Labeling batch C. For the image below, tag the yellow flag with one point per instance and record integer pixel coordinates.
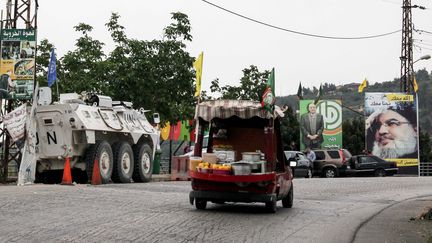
(165, 131)
(198, 68)
(362, 86)
(415, 86)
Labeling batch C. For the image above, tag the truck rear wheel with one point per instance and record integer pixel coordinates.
(143, 163)
(271, 206)
(123, 163)
(100, 151)
(288, 200)
(200, 203)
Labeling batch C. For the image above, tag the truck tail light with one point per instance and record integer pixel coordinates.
(342, 156)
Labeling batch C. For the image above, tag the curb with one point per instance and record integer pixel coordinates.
(161, 177)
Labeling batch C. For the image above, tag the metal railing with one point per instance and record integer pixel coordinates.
(425, 168)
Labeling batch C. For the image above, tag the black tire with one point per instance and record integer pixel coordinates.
(102, 152)
(123, 163)
(271, 206)
(200, 203)
(288, 200)
(143, 163)
(380, 173)
(329, 173)
(309, 173)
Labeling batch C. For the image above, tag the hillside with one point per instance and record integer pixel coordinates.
(352, 99)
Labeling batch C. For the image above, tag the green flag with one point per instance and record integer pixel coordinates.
(300, 92)
(318, 97)
(269, 98)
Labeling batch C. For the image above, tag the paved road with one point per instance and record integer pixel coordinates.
(325, 210)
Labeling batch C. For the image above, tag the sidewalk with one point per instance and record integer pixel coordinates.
(393, 224)
(161, 177)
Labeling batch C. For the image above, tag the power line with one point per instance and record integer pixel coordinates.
(423, 43)
(422, 47)
(423, 31)
(298, 32)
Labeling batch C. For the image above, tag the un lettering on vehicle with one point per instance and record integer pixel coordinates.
(48, 142)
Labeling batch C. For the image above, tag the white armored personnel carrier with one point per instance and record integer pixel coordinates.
(91, 127)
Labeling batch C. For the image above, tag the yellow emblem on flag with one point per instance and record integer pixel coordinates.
(198, 67)
(362, 86)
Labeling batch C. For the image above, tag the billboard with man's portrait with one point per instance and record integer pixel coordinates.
(391, 129)
(320, 124)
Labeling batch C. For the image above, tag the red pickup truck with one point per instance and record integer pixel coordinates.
(241, 129)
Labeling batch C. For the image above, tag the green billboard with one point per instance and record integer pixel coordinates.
(320, 124)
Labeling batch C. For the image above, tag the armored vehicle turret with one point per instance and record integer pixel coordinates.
(88, 128)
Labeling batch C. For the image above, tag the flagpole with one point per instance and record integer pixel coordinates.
(416, 100)
(58, 95)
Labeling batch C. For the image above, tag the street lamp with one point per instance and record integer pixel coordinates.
(425, 57)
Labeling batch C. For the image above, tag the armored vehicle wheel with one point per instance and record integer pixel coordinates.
(123, 162)
(288, 200)
(143, 163)
(102, 152)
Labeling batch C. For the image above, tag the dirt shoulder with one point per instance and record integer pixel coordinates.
(397, 223)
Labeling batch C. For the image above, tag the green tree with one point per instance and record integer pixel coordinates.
(290, 129)
(84, 69)
(353, 135)
(425, 146)
(157, 74)
(252, 85)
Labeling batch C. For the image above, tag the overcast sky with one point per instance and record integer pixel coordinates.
(231, 43)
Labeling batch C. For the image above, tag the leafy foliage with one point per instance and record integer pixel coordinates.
(354, 135)
(155, 74)
(84, 69)
(425, 146)
(290, 129)
(252, 85)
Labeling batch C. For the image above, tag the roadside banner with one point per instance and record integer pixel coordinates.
(392, 129)
(18, 49)
(27, 169)
(15, 122)
(326, 124)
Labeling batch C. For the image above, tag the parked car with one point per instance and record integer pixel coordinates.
(331, 163)
(303, 167)
(370, 164)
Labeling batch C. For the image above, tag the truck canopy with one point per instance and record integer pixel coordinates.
(223, 109)
(243, 125)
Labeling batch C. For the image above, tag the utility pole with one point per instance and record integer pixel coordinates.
(406, 78)
(19, 14)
